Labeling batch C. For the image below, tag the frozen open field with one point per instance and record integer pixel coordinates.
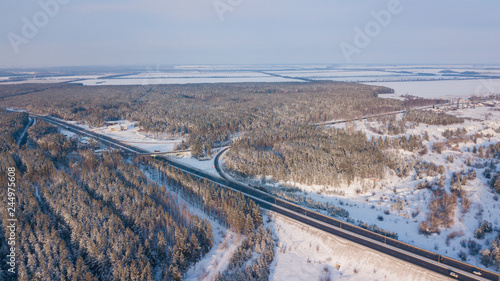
(191, 80)
(254, 73)
(442, 89)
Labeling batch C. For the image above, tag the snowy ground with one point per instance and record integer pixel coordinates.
(217, 259)
(441, 89)
(254, 73)
(305, 253)
(204, 165)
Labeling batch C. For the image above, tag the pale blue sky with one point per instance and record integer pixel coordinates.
(148, 32)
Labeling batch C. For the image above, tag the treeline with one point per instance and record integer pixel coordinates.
(252, 259)
(431, 118)
(11, 127)
(209, 113)
(311, 155)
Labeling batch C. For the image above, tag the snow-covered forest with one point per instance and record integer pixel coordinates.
(88, 216)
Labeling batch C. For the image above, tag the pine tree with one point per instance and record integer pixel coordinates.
(496, 186)
(174, 273)
(195, 248)
(249, 226)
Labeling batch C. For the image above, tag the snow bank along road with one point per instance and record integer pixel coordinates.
(403, 251)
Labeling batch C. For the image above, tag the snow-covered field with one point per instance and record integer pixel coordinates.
(442, 89)
(384, 78)
(305, 253)
(191, 80)
(197, 74)
(38, 81)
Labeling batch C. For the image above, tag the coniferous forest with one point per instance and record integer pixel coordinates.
(313, 155)
(87, 216)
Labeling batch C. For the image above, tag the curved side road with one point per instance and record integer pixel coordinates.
(395, 248)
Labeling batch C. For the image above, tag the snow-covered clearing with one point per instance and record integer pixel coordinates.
(305, 253)
(382, 74)
(204, 165)
(217, 259)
